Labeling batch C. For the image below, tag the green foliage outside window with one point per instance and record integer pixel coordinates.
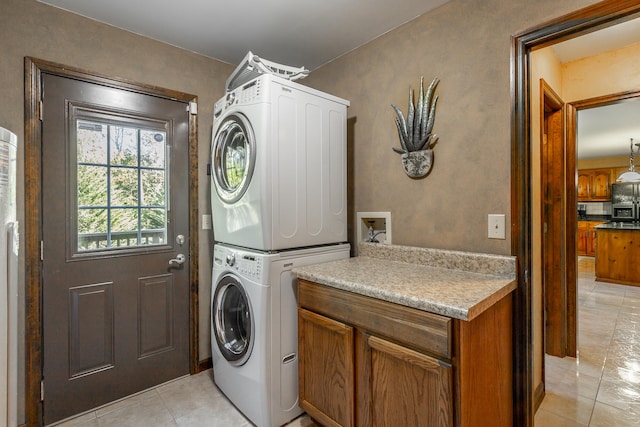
(121, 189)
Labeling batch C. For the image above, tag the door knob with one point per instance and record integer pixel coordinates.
(178, 260)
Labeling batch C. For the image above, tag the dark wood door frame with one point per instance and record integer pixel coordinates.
(583, 21)
(558, 236)
(34, 68)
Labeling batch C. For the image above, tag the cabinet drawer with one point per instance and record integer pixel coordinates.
(423, 331)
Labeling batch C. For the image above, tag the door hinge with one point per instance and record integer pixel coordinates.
(42, 391)
(545, 227)
(41, 250)
(40, 110)
(192, 108)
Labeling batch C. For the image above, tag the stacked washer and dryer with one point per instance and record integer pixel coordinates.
(278, 197)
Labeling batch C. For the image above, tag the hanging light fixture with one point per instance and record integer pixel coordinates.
(631, 175)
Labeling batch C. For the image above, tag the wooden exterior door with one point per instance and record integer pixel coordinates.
(115, 241)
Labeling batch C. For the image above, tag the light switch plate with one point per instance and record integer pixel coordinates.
(206, 222)
(496, 229)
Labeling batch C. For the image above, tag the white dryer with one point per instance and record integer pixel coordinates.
(278, 158)
(254, 328)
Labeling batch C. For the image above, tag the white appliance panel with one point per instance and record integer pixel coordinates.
(8, 280)
(297, 195)
(265, 388)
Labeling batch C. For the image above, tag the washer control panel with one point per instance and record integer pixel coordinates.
(245, 264)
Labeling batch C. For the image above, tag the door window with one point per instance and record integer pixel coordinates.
(233, 158)
(121, 185)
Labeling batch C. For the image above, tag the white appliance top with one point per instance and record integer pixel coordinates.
(253, 66)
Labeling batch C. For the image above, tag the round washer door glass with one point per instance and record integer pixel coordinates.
(233, 320)
(233, 157)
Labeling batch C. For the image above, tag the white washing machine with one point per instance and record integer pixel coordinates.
(254, 328)
(278, 160)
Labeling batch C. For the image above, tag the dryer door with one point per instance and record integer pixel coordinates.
(233, 157)
(232, 320)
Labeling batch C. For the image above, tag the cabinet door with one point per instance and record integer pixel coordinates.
(583, 237)
(326, 369)
(591, 245)
(601, 185)
(584, 180)
(408, 388)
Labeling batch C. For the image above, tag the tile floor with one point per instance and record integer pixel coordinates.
(192, 401)
(601, 387)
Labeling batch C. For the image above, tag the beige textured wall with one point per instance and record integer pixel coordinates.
(28, 28)
(611, 72)
(466, 43)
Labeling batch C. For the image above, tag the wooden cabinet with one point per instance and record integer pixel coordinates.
(595, 184)
(326, 389)
(617, 255)
(587, 237)
(368, 362)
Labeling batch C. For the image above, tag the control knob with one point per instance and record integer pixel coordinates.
(231, 260)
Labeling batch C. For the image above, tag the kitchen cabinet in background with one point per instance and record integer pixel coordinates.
(618, 251)
(595, 184)
(587, 237)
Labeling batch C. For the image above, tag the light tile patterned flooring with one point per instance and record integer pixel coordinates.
(192, 401)
(601, 387)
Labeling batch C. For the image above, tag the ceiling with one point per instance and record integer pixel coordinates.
(313, 33)
(291, 32)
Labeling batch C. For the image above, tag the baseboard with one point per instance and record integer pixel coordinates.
(538, 396)
(205, 364)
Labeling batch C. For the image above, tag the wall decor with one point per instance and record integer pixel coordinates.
(415, 132)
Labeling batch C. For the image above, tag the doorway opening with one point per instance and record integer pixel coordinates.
(584, 21)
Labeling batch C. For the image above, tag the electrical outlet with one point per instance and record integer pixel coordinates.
(496, 226)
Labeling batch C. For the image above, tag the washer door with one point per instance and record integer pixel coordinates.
(233, 157)
(232, 320)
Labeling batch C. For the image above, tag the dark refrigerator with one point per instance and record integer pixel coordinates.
(625, 201)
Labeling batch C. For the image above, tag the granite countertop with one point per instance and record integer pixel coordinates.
(455, 284)
(619, 226)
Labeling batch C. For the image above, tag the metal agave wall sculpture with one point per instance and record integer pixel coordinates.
(415, 132)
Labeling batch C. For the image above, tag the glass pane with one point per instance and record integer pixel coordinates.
(152, 148)
(235, 160)
(92, 221)
(124, 145)
(92, 185)
(124, 220)
(92, 229)
(124, 187)
(153, 188)
(124, 227)
(92, 142)
(152, 226)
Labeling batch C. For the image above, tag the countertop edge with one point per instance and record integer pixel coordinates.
(492, 288)
(485, 304)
